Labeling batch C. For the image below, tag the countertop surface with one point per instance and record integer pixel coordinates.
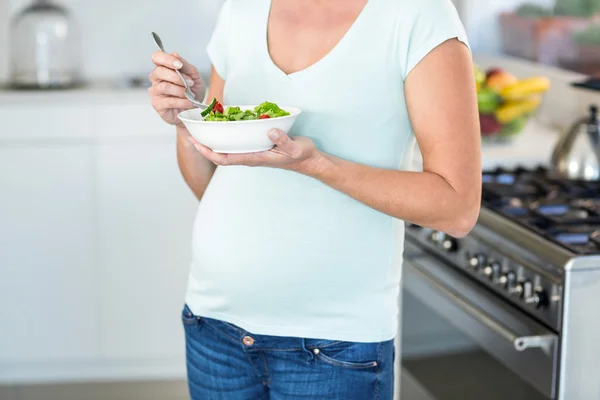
(90, 94)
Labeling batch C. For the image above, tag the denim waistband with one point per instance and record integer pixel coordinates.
(263, 342)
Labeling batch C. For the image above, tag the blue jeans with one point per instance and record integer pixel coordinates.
(225, 362)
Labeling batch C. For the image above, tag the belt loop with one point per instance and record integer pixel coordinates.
(311, 357)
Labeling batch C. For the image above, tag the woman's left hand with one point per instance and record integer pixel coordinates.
(298, 154)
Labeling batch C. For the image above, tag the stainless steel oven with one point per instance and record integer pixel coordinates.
(460, 341)
(512, 310)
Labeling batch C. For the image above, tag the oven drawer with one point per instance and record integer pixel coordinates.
(523, 345)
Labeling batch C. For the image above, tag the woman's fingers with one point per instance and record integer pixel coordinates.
(164, 88)
(167, 103)
(174, 61)
(285, 144)
(187, 68)
(160, 74)
(162, 59)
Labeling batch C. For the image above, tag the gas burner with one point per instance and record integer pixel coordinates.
(579, 239)
(564, 211)
(588, 204)
(595, 237)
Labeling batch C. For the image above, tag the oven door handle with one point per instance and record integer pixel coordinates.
(520, 343)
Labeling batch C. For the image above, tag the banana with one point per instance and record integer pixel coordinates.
(525, 88)
(511, 111)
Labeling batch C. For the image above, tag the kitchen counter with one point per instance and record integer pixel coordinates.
(531, 148)
(102, 92)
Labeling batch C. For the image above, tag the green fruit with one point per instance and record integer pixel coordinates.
(514, 127)
(488, 101)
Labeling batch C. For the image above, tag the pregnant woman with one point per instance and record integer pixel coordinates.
(297, 251)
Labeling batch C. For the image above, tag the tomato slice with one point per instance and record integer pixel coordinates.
(264, 116)
(218, 107)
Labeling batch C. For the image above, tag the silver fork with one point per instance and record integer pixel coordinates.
(188, 91)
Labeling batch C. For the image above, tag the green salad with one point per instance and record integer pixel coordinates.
(216, 112)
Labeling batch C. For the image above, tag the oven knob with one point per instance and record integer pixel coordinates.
(488, 272)
(437, 237)
(492, 271)
(508, 280)
(516, 290)
(477, 261)
(527, 290)
(450, 245)
(503, 280)
(512, 279)
(539, 298)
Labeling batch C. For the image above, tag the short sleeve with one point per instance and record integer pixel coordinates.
(219, 41)
(436, 21)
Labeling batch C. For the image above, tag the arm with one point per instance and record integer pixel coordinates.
(197, 171)
(447, 194)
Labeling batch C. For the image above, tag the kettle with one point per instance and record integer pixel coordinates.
(45, 48)
(577, 153)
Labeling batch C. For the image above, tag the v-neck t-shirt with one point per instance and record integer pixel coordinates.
(279, 253)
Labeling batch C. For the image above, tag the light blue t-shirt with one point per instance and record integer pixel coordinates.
(279, 253)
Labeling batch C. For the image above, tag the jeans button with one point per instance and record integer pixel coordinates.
(248, 341)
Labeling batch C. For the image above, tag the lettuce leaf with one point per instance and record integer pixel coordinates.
(270, 109)
(237, 114)
(216, 116)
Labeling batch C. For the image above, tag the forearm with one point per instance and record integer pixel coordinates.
(197, 171)
(423, 198)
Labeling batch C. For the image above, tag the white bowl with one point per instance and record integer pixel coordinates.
(236, 136)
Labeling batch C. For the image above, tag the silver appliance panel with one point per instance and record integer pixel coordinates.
(526, 347)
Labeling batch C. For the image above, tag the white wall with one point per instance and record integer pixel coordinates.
(116, 33)
(3, 38)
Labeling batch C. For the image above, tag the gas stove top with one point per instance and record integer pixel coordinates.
(534, 227)
(563, 211)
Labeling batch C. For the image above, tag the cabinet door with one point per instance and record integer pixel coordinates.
(47, 275)
(145, 216)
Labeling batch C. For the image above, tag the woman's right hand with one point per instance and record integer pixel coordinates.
(167, 91)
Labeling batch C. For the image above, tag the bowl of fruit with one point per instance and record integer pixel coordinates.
(506, 103)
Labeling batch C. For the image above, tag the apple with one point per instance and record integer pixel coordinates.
(489, 125)
(499, 80)
(487, 101)
(493, 71)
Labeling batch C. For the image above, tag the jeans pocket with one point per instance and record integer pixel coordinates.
(188, 318)
(348, 354)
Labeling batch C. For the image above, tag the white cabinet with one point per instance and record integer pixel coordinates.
(48, 279)
(54, 124)
(145, 216)
(95, 242)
